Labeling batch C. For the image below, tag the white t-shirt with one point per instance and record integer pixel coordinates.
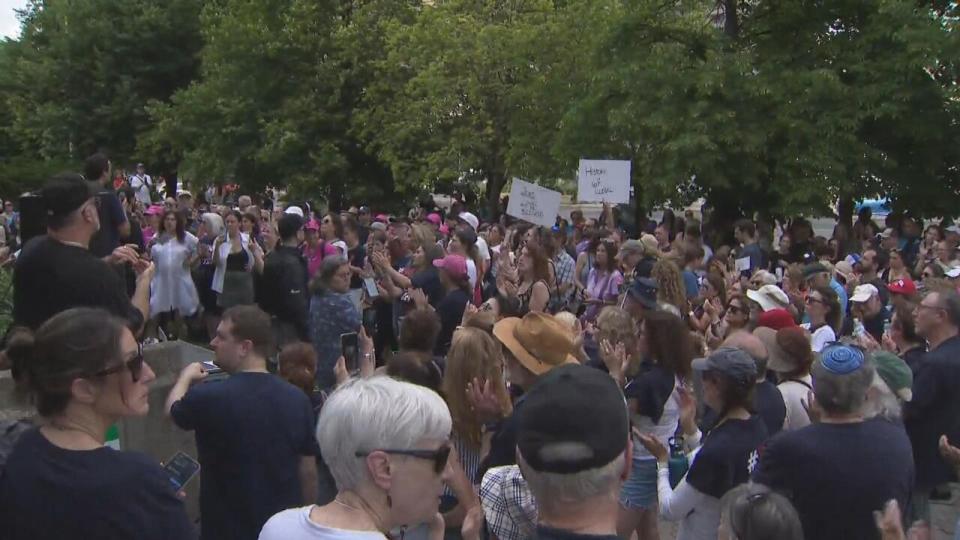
(295, 524)
(794, 395)
(472, 273)
(483, 249)
(820, 338)
(141, 186)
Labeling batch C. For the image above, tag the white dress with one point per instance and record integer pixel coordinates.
(172, 286)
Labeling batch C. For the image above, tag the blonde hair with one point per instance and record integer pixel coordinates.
(422, 236)
(474, 354)
(668, 277)
(615, 325)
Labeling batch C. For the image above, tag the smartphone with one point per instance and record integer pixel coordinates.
(350, 349)
(181, 468)
(211, 368)
(371, 286)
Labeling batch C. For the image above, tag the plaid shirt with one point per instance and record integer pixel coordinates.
(508, 505)
(564, 266)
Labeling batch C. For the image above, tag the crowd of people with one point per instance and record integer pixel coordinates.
(509, 381)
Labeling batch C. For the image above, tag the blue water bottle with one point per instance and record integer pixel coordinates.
(678, 464)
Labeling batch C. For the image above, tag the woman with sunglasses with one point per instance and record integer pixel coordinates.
(735, 317)
(386, 443)
(823, 309)
(85, 371)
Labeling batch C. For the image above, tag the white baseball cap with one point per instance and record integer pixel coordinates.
(863, 293)
(296, 210)
(470, 219)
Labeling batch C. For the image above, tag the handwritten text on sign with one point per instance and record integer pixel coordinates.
(533, 203)
(601, 180)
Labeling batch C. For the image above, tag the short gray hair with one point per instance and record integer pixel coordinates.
(214, 223)
(375, 413)
(882, 401)
(556, 488)
(328, 268)
(842, 394)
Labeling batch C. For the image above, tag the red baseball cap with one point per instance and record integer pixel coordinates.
(455, 265)
(776, 318)
(903, 286)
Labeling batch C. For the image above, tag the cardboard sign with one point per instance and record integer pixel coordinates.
(602, 180)
(533, 203)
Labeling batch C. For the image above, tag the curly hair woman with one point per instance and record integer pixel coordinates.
(671, 291)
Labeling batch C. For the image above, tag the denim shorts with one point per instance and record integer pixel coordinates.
(640, 490)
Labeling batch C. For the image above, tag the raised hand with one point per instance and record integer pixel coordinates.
(483, 400)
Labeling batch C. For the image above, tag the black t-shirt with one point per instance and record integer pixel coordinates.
(47, 492)
(51, 277)
(837, 475)
(769, 406)
(728, 453)
(111, 216)
(251, 429)
(450, 311)
(429, 280)
(503, 444)
(650, 389)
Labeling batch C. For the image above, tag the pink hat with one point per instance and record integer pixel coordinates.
(312, 225)
(383, 218)
(444, 230)
(154, 210)
(434, 218)
(455, 265)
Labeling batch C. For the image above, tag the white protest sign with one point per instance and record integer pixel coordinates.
(533, 203)
(742, 264)
(601, 180)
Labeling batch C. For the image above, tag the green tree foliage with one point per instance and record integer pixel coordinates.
(79, 77)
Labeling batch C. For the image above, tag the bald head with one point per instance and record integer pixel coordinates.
(750, 344)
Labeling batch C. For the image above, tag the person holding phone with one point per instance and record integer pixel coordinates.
(254, 431)
(332, 313)
(62, 481)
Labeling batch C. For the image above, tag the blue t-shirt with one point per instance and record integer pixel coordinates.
(48, 492)
(251, 429)
(691, 284)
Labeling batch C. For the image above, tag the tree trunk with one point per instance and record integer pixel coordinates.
(495, 183)
(731, 20)
(845, 211)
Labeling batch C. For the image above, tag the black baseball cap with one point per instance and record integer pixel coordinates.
(65, 193)
(733, 363)
(644, 291)
(814, 269)
(573, 419)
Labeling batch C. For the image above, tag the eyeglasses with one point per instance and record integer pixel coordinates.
(736, 309)
(438, 456)
(134, 364)
(811, 300)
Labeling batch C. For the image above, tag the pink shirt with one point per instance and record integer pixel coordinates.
(316, 255)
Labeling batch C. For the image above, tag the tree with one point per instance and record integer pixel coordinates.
(78, 81)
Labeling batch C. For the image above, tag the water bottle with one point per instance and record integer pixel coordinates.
(858, 329)
(678, 464)
(112, 438)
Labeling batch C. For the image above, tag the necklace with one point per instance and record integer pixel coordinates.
(345, 505)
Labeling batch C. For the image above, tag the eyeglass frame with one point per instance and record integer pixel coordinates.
(440, 456)
(134, 364)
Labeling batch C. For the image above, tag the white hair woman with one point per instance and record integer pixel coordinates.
(387, 443)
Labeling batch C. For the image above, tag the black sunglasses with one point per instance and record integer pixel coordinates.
(438, 456)
(134, 364)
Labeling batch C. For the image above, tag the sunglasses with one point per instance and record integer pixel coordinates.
(438, 456)
(134, 364)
